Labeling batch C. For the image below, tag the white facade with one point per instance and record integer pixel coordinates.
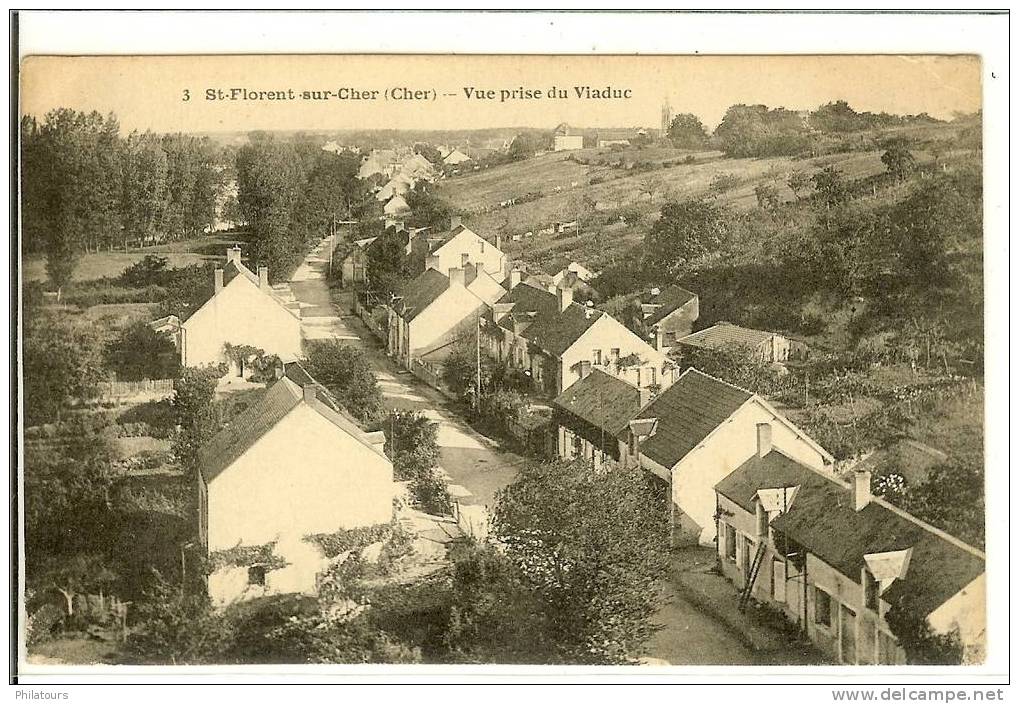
(608, 340)
(437, 324)
(334, 482)
(241, 313)
(693, 477)
(565, 142)
(477, 250)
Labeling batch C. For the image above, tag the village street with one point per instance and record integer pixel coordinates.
(692, 632)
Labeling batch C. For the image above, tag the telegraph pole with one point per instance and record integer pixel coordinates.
(477, 354)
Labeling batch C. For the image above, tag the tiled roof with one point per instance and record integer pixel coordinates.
(670, 299)
(420, 293)
(823, 520)
(247, 428)
(724, 335)
(687, 412)
(234, 268)
(602, 400)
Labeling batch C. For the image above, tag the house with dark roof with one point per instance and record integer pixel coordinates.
(669, 314)
(261, 498)
(835, 560)
(592, 415)
(697, 432)
(762, 345)
(435, 309)
(243, 311)
(558, 342)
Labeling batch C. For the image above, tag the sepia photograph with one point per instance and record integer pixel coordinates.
(659, 361)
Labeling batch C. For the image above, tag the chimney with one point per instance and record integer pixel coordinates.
(432, 262)
(763, 439)
(309, 393)
(565, 296)
(263, 278)
(646, 394)
(218, 279)
(585, 369)
(456, 277)
(861, 489)
(465, 259)
(454, 222)
(514, 278)
(233, 254)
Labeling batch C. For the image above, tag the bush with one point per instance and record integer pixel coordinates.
(88, 294)
(346, 372)
(150, 270)
(139, 352)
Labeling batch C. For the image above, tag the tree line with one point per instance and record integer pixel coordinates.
(86, 188)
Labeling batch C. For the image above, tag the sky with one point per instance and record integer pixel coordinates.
(430, 92)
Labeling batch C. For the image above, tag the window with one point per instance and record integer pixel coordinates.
(596, 356)
(822, 608)
(730, 543)
(870, 590)
(256, 575)
(614, 354)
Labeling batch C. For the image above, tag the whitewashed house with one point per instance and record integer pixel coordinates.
(260, 500)
(243, 310)
(697, 432)
(460, 246)
(835, 560)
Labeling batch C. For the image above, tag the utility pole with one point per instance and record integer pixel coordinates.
(477, 354)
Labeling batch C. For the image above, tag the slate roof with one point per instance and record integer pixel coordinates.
(671, 299)
(246, 429)
(552, 331)
(725, 335)
(420, 293)
(687, 412)
(602, 400)
(234, 268)
(822, 519)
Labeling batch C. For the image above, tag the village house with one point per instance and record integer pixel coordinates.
(260, 501)
(834, 560)
(578, 270)
(243, 311)
(592, 415)
(168, 325)
(697, 432)
(396, 209)
(562, 140)
(455, 157)
(433, 310)
(384, 162)
(556, 341)
(669, 315)
(763, 346)
(399, 185)
(354, 267)
(456, 248)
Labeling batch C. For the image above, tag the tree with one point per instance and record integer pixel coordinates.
(178, 627)
(139, 352)
(687, 132)
(386, 272)
(187, 288)
(923, 646)
(145, 197)
(736, 364)
(836, 117)
(428, 152)
(427, 208)
(899, 161)
(411, 443)
(651, 185)
(831, 187)
(798, 182)
(526, 144)
(195, 413)
(951, 497)
(685, 232)
(346, 372)
(78, 574)
(756, 130)
(63, 361)
(592, 547)
(767, 196)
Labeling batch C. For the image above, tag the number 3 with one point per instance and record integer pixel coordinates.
(187, 95)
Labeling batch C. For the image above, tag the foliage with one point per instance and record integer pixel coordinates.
(767, 196)
(411, 444)
(591, 546)
(178, 628)
(898, 159)
(428, 152)
(386, 265)
(246, 556)
(150, 269)
(830, 186)
(186, 289)
(264, 365)
(526, 144)
(923, 646)
(687, 132)
(724, 182)
(195, 412)
(430, 492)
(319, 638)
(952, 498)
(333, 544)
(139, 352)
(63, 361)
(736, 364)
(685, 232)
(756, 130)
(82, 573)
(798, 182)
(347, 373)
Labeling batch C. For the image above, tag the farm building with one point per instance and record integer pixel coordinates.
(593, 414)
(834, 560)
(455, 157)
(259, 501)
(763, 345)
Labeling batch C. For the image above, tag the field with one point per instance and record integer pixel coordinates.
(591, 185)
(97, 265)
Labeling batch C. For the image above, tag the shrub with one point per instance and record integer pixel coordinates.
(139, 352)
